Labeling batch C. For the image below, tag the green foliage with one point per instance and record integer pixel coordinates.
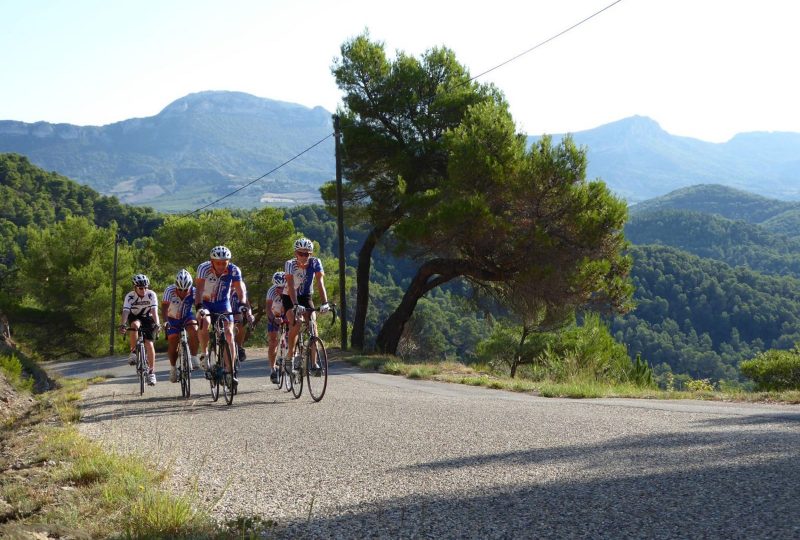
(65, 272)
(736, 243)
(774, 370)
(702, 317)
(11, 367)
(641, 374)
(699, 385)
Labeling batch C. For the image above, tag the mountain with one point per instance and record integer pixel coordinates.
(639, 160)
(208, 144)
(197, 149)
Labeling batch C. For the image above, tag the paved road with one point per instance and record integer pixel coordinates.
(386, 457)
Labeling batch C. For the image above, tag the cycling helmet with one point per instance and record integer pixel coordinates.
(183, 280)
(220, 252)
(279, 279)
(303, 244)
(140, 280)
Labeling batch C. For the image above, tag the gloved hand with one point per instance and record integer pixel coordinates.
(123, 328)
(202, 312)
(250, 318)
(243, 309)
(324, 308)
(299, 310)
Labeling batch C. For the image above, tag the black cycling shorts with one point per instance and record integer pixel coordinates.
(148, 325)
(302, 299)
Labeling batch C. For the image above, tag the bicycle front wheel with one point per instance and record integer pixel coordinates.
(141, 366)
(185, 375)
(316, 368)
(228, 386)
(211, 364)
(297, 378)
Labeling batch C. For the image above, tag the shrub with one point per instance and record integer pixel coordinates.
(774, 370)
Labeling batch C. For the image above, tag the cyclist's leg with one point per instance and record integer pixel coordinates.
(191, 331)
(173, 338)
(231, 343)
(133, 324)
(272, 351)
(202, 334)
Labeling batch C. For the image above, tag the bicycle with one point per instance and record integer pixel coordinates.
(184, 365)
(215, 362)
(310, 348)
(282, 366)
(141, 357)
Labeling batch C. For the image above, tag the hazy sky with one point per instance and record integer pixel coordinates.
(702, 68)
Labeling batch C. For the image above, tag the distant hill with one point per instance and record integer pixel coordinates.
(716, 199)
(208, 144)
(197, 149)
(639, 160)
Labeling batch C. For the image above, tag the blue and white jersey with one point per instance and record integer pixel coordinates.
(274, 294)
(303, 277)
(216, 293)
(179, 308)
(234, 301)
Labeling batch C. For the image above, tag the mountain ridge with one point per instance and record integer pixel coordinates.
(205, 145)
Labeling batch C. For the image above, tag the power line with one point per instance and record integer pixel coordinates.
(328, 136)
(548, 40)
(498, 66)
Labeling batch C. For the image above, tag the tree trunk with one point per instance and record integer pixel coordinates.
(518, 357)
(362, 285)
(392, 329)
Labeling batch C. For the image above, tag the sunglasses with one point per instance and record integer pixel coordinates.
(140, 288)
(302, 253)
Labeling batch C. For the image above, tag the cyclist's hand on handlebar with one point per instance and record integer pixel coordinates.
(123, 328)
(243, 309)
(299, 310)
(202, 312)
(251, 319)
(324, 308)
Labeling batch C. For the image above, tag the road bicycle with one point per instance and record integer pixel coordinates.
(184, 364)
(216, 373)
(311, 359)
(282, 365)
(141, 357)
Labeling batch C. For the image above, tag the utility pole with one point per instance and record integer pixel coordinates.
(340, 231)
(113, 296)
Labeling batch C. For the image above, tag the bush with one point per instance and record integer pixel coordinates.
(774, 370)
(15, 374)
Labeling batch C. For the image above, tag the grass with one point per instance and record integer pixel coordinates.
(60, 484)
(482, 375)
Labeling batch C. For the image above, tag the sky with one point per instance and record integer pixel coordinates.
(706, 69)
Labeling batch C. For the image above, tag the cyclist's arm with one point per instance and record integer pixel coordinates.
(289, 289)
(126, 310)
(154, 309)
(320, 277)
(241, 290)
(164, 306)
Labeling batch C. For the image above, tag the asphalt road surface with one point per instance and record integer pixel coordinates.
(385, 457)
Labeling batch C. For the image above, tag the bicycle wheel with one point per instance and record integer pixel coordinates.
(316, 375)
(286, 376)
(279, 370)
(227, 379)
(211, 363)
(141, 366)
(185, 372)
(297, 378)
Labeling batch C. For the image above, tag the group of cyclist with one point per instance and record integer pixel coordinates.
(218, 291)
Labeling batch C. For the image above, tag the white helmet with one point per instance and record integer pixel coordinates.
(221, 252)
(279, 279)
(303, 244)
(183, 280)
(140, 280)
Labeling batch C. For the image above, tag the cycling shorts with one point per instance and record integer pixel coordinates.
(148, 325)
(175, 325)
(272, 324)
(302, 299)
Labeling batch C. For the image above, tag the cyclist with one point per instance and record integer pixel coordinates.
(239, 317)
(176, 309)
(216, 279)
(274, 311)
(139, 311)
(301, 272)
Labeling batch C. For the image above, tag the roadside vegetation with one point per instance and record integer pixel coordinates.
(57, 483)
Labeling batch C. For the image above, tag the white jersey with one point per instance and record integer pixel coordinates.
(140, 305)
(277, 301)
(303, 277)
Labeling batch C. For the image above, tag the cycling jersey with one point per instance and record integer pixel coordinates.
(303, 277)
(139, 306)
(179, 308)
(216, 293)
(274, 294)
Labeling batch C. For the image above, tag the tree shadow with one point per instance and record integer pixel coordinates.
(705, 484)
